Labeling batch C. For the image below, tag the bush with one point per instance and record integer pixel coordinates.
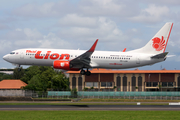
(74, 93)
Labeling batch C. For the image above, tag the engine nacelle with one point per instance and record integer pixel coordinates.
(65, 65)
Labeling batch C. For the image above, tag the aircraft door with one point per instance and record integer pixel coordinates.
(137, 60)
(22, 55)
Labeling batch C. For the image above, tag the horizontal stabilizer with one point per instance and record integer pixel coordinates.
(161, 55)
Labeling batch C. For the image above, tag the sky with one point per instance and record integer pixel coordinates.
(76, 24)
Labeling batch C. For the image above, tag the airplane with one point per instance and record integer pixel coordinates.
(75, 60)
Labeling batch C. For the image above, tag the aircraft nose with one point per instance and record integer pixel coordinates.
(6, 57)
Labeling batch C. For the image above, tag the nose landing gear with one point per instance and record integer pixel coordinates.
(19, 67)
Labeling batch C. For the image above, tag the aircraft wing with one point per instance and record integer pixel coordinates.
(161, 55)
(84, 59)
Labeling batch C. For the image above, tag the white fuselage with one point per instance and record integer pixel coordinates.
(99, 59)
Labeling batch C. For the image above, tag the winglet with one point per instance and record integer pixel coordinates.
(124, 50)
(93, 47)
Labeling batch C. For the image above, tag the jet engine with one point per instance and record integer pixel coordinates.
(65, 65)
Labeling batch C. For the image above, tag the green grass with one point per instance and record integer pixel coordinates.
(108, 100)
(125, 100)
(95, 102)
(76, 103)
(89, 115)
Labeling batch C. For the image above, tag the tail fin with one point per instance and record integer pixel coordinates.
(158, 43)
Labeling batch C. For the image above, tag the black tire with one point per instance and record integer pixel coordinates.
(88, 73)
(82, 72)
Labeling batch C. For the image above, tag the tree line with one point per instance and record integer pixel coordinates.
(40, 78)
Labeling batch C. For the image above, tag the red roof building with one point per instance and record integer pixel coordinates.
(12, 84)
(126, 80)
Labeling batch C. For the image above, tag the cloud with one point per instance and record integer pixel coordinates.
(25, 43)
(46, 9)
(5, 45)
(104, 29)
(77, 24)
(32, 34)
(77, 20)
(35, 10)
(152, 14)
(23, 34)
(22, 38)
(2, 26)
(105, 7)
(161, 2)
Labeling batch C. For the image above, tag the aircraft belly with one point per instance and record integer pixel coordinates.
(122, 64)
(115, 64)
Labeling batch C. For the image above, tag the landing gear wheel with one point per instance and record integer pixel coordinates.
(88, 73)
(82, 72)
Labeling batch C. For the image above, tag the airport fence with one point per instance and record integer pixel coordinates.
(115, 95)
(94, 94)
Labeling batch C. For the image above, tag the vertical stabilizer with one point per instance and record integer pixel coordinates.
(159, 42)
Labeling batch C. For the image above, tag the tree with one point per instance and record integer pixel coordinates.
(85, 88)
(92, 88)
(17, 74)
(29, 73)
(160, 87)
(74, 93)
(60, 82)
(44, 78)
(4, 76)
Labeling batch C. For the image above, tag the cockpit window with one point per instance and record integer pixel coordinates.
(12, 53)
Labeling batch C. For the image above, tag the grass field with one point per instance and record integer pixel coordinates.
(89, 115)
(76, 103)
(125, 100)
(94, 102)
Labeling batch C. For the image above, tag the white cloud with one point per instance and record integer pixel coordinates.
(32, 34)
(114, 8)
(5, 45)
(76, 20)
(105, 29)
(171, 43)
(18, 29)
(105, 7)
(43, 9)
(162, 2)
(35, 10)
(22, 38)
(53, 41)
(25, 43)
(136, 42)
(152, 14)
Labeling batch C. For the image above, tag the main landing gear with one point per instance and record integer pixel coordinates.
(83, 72)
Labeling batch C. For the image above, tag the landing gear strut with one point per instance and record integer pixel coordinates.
(83, 72)
(19, 67)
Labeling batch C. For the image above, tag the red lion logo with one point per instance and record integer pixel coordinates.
(158, 43)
